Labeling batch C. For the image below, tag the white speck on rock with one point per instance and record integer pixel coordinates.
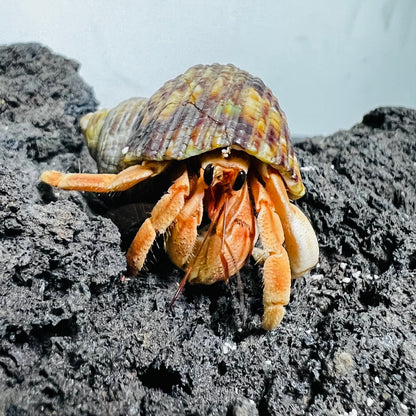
(352, 413)
(307, 168)
(344, 362)
(317, 276)
(228, 346)
(125, 150)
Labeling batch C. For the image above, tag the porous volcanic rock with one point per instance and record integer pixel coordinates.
(79, 339)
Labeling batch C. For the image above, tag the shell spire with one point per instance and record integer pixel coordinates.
(107, 133)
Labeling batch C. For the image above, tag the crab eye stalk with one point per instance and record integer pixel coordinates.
(209, 174)
(239, 180)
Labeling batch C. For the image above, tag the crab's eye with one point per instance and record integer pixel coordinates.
(239, 180)
(209, 174)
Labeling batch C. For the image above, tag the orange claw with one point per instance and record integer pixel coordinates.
(229, 244)
(184, 232)
(276, 269)
(300, 239)
(221, 251)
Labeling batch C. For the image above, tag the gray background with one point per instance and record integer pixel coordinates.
(328, 62)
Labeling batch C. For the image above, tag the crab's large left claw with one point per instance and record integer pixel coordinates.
(300, 239)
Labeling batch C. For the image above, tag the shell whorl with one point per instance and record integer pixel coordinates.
(107, 133)
(91, 125)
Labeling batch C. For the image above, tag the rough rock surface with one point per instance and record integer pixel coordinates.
(77, 339)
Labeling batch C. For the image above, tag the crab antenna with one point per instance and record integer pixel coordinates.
(198, 252)
(222, 255)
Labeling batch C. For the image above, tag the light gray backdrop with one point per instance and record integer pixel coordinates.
(328, 61)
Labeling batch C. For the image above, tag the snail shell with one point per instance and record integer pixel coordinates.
(207, 107)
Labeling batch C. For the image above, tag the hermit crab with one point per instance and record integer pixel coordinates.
(235, 172)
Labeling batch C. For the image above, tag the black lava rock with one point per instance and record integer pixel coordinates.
(77, 338)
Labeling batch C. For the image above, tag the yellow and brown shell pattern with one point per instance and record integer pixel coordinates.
(206, 108)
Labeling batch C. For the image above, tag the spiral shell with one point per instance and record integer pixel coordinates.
(108, 131)
(208, 107)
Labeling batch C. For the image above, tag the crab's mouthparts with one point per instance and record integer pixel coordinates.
(218, 193)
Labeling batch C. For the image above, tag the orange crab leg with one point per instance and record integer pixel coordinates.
(184, 232)
(162, 216)
(103, 182)
(276, 269)
(300, 238)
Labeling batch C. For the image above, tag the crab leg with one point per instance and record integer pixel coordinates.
(276, 269)
(184, 233)
(300, 238)
(103, 182)
(162, 216)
